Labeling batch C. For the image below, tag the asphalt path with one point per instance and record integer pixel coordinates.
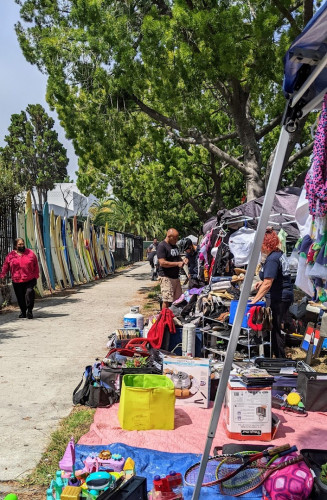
(42, 361)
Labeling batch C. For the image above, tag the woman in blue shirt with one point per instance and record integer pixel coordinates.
(276, 284)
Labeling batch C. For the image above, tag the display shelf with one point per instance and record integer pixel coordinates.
(243, 339)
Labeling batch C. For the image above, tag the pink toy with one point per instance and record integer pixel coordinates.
(67, 463)
(295, 482)
(94, 463)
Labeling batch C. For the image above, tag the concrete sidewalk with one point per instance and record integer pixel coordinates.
(42, 360)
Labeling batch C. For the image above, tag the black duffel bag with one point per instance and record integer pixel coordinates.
(312, 386)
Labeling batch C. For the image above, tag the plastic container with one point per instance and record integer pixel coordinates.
(232, 311)
(188, 340)
(134, 319)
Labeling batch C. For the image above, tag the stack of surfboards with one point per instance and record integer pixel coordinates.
(67, 255)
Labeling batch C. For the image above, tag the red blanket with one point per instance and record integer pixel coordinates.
(156, 332)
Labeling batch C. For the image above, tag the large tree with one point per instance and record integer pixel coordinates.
(168, 97)
(33, 152)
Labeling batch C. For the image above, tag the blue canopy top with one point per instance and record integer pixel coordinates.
(303, 55)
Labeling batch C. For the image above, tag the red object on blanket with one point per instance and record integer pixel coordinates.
(157, 330)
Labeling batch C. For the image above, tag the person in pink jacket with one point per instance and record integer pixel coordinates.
(24, 269)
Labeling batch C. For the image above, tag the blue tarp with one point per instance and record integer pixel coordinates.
(149, 463)
(313, 37)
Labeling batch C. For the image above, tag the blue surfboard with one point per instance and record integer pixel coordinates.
(46, 243)
(63, 235)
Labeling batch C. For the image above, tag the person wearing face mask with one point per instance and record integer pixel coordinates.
(24, 269)
(276, 283)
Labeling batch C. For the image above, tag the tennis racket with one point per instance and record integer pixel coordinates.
(252, 477)
(240, 461)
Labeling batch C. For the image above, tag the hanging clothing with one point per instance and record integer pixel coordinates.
(241, 245)
(316, 178)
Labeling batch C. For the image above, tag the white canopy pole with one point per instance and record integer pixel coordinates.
(247, 284)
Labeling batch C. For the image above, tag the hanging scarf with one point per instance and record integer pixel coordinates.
(316, 178)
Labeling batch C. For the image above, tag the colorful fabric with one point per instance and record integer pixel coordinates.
(157, 330)
(316, 181)
(22, 267)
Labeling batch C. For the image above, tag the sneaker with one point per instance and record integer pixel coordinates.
(29, 315)
(22, 315)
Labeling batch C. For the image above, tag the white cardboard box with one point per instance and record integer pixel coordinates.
(247, 412)
(191, 377)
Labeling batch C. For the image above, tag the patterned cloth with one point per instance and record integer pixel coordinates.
(315, 181)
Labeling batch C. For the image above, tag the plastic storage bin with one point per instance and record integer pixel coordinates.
(232, 311)
(147, 402)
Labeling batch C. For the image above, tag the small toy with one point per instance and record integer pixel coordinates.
(129, 468)
(58, 485)
(67, 463)
(323, 474)
(99, 481)
(293, 398)
(71, 493)
(95, 463)
(170, 483)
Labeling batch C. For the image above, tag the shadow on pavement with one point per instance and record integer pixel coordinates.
(42, 314)
(8, 336)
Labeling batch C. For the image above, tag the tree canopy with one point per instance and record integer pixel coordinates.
(33, 152)
(176, 103)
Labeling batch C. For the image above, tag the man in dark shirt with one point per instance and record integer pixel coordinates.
(169, 264)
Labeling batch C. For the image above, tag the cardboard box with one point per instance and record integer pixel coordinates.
(191, 378)
(247, 412)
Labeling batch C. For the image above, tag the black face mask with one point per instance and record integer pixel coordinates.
(21, 249)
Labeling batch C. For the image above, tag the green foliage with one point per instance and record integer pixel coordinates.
(174, 103)
(33, 153)
(9, 189)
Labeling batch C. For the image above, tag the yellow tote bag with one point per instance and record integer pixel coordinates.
(147, 402)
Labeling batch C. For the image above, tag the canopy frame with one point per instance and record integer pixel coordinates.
(296, 107)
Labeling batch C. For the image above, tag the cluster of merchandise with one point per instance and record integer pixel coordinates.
(150, 385)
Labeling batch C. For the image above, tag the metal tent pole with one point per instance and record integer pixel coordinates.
(262, 225)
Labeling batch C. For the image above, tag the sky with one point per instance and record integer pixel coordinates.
(21, 83)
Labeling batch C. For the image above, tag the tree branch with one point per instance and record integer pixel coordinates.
(287, 15)
(268, 127)
(301, 154)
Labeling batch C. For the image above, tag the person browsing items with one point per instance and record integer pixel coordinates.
(170, 263)
(275, 282)
(151, 251)
(24, 269)
(192, 261)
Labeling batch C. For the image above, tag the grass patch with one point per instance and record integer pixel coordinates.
(76, 424)
(154, 292)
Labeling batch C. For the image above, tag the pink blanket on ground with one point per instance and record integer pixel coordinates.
(191, 429)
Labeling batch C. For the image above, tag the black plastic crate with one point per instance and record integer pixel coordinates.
(315, 459)
(134, 489)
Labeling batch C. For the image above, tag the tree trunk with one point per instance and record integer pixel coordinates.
(34, 199)
(240, 106)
